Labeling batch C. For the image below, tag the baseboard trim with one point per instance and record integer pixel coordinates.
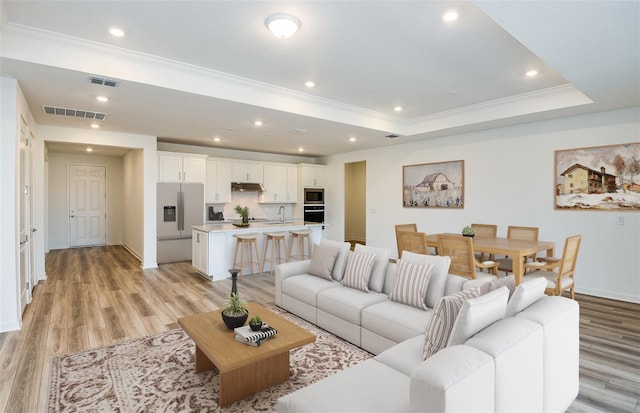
(609, 294)
(7, 326)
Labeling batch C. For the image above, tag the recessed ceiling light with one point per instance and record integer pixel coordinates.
(309, 84)
(102, 99)
(450, 16)
(282, 25)
(258, 123)
(116, 32)
(95, 126)
(532, 73)
(216, 139)
(352, 139)
(301, 149)
(397, 108)
(89, 149)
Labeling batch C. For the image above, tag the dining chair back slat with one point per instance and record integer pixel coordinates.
(403, 228)
(414, 242)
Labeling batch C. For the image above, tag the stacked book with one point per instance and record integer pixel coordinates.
(245, 335)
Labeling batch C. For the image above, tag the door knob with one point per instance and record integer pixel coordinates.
(72, 216)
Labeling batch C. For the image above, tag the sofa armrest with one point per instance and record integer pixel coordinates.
(288, 270)
(458, 378)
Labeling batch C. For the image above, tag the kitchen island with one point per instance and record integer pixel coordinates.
(213, 244)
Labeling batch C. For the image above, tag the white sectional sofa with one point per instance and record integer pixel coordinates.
(526, 361)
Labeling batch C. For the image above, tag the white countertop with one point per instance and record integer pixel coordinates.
(255, 226)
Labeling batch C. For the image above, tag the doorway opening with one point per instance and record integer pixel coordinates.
(355, 203)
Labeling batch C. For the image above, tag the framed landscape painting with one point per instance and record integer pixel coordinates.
(601, 178)
(433, 185)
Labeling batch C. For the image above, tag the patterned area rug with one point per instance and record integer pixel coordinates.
(155, 374)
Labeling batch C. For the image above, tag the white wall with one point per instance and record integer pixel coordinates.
(509, 180)
(133, 205)
(59, 197)
(9, 292)
(148, 178)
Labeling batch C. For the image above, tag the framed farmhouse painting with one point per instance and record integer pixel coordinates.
(598, 178)
(433, 185)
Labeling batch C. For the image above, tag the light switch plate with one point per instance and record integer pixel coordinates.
(620, 220)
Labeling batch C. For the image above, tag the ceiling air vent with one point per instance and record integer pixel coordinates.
(76, 113)
(102, 81)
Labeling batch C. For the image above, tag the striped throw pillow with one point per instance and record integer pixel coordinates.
(442, 320)
(411, 284)
(358, 271)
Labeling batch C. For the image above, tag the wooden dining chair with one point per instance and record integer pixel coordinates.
(515, 232)
(484, 231)
(403, 228)
(413, 242)
(563, 277)
(463, 261)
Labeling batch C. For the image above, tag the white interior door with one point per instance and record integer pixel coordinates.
(87, 205)
(25, 290)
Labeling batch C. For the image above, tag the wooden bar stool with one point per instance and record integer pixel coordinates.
(274, 238)
(300, 235)
(248, 240)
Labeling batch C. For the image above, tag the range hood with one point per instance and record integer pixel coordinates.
(247, 187)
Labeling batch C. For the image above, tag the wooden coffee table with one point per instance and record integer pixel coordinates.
(244, 370)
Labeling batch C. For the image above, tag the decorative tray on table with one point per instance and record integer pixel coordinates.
(241, 224)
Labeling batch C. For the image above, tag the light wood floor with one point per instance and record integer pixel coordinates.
(99, 296)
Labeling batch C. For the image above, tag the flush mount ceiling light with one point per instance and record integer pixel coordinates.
(116, 32)
(397, 108)
(309, 84)
(282, 25)
(450, 16)
(532, 73)
(258, 123)
(102, 99)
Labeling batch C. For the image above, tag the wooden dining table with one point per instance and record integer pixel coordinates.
(514, 248)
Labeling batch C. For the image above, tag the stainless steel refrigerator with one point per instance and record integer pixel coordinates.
(179, 207)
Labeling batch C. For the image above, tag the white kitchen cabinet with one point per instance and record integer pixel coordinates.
(312, 175)
(280, 184)
(292, 184)
(200, 251)
(275, 184)
(218, 182)
(178, 167)
(247, 172)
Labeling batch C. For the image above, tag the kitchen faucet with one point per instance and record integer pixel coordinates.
(281, 212)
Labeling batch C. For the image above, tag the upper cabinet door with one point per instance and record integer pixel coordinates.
(292, 184)
(247, 172)
(169, 168)
(223, 182)
(313, 175)
(176, 167)
(193, 169)
(275, 184)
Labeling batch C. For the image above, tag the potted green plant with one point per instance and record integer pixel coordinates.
(235, 312)
(255, 323)
(243, 212)
(468, 231)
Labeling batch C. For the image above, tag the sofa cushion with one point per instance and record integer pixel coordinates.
(411, 285)
(478, 313)
(435, 291)
(305, 287)
(509, 282)
(347, 303)
(341, 259)
(323, 260)
(395, 321)
(358, 271)
(376, 281)
(355, 389)
(442, 320)
(404, 356)
(526, 294)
